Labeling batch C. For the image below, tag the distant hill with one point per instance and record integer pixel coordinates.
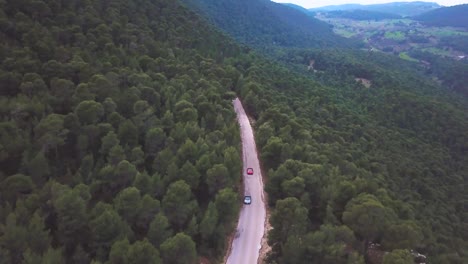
(455, 16)
(338, 7)
(362, 15)
(297, 7)
(265, 24)
(398, 8)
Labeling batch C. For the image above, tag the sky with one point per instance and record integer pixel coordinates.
(318, 3)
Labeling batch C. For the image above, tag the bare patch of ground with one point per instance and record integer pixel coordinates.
(230, 238)
(204, 260)
(265, 248)
(252, 121)
(367, 83)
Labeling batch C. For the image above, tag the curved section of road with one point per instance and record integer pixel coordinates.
(251, 226)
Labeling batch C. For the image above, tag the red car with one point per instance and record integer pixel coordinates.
(249, 171)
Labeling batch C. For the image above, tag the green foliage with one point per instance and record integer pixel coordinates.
(209, 222)
(38, 168)
(178, 204)
(226, 205)
(71, 218)
(288, 220)
(451, 72)
(154, 141)
(128, 133)
(142, 252)
(16, 185)
(128, 204)
(139, 252)
(265, 25)
(458, 42)
(13, 240)
(38, 236)
(89, 112)
(217, 178)
(106, 229)
(363, 158)
(402, 236)
(367, 217)
(108, 108)
(179, 249)
(159, 230)
(53, 256)
(50, 132)
(398, 257)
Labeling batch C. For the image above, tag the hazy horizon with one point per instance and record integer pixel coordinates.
(320, 3)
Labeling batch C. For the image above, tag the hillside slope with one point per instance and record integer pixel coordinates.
(335, 154)
(297, 7)
(118, 141)
(264, 24)
(453, 16)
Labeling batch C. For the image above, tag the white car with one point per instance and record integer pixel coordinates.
(247, 199)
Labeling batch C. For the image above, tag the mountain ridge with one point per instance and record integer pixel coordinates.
(256, 23)
(399, 8)
(454, 16)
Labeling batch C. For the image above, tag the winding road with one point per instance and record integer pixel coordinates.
(251, 226)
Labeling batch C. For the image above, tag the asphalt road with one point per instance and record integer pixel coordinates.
(251, 226)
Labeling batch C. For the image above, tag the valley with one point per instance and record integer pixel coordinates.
(401, 36)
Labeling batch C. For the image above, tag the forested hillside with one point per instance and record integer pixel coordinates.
(453, 16)
(118, 141)
(297, 7)
(349, 165)
(453, 74)
(119, 144)
(265, 25)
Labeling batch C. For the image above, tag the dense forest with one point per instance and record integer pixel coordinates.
(453, 16)
(452, 73)
(119, 144)
(457, 42)
(118, 141)
(266, 25)
(349, 164)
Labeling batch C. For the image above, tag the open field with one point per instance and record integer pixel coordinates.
(405, 56)
(396, 35)
(400, 36)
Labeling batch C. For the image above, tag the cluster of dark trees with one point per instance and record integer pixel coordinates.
(452, 16)
(118, 141)
(452, 73)
(457, 42)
